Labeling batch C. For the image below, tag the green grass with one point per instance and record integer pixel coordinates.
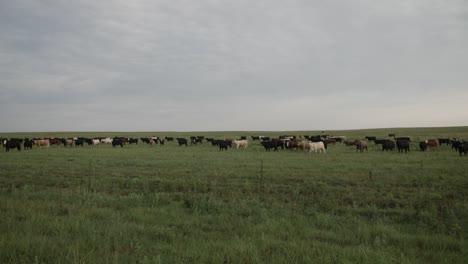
(196, 204)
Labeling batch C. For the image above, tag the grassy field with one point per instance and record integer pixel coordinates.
(171, 204)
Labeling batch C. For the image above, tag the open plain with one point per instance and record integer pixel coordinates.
(197, 204)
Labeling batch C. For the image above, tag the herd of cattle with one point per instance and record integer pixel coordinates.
(318, 143)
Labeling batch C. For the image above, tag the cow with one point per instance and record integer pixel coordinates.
(268, 145)
(244, 143)
(28, 144)
(67, 142)
(133, 140)
(118, 142)
(314, 146)
(243, 138)
(55, 141)
(350, 143)
(403, 145)
(106, 140)
(361, 145)
(431, 143)
(169, 138)
(96, 142)
(370, 138)
(12, 144)
(292, 144)
(444, 141)
(422, 146)
(195, 141)
(182, 141)
(223, 145)
(255, 138)
(391, 135)
(463, 149)
(388, 145)
(41, 142)
(79, 142)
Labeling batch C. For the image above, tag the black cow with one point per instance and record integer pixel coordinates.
(388, 145)
(371, 138)
(444, 141)
(391, 135)
(403, 145)
(195, 141)
(169, 138)
(117, 142)
(28, 144)
(422, 146)
(89, 141)
(463, 149)
(79, 142)
(243, 137)
(182, 141)
(268, 145)
(12, 144)
(133, 140)
(223, 145)
(255, 138)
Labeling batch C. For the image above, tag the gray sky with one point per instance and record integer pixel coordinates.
(232, 65)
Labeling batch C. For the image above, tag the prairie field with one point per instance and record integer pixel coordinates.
(196, 204)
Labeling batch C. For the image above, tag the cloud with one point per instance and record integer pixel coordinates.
(264, 64)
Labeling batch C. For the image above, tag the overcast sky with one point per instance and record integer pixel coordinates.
(232, 65)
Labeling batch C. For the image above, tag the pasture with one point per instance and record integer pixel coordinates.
(196, 204)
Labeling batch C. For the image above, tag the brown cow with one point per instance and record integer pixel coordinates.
(361, 145)
(41, 142)
(431, 143)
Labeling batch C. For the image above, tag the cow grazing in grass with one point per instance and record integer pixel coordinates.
(79, 142)
(268, 145)
(118, 142)
(431, 143)
(240, 143)
(133, 141)
(463, 149)
(28, 144)
(12, 144)
(388, 145)
(422, 146)
(255, 138)
(41, 142)
(361, 146)
(403, 145)
(55, 141)
(317, 146)
(444, 141)
(169, 138)
(182, 141)
(223, 145)
(350, 143)
(106, 140)
(67, 142)
(371, 138)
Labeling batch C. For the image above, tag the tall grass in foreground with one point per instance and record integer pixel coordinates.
(175, 204)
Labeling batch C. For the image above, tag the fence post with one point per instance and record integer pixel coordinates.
(261, 179)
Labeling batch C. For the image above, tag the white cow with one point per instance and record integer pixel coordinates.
(317, 146)
(96, 142)
(106, 140)
(239, 143)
